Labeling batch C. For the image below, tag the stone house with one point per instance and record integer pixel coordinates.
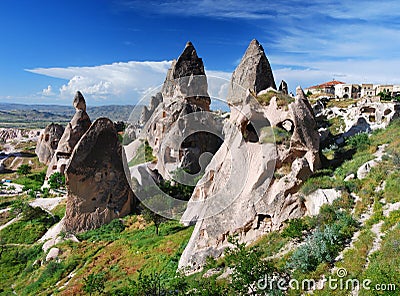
(347, 91)
(327, 88)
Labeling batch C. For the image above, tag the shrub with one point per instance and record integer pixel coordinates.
(57, 180)
(295, 228)
(24, 169)
(248, 268)
(324, 244)
(360, 141)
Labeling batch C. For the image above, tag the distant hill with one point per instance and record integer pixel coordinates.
(38, 116)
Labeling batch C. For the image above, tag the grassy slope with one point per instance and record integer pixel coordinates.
(120, 254)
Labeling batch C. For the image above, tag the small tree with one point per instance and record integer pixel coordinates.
(150, 216)
(24, 169)
(57, 180)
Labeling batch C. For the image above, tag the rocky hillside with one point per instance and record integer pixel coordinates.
(278, 191)
(20, 115)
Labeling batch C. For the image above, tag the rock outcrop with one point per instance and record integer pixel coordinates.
(77, 127)
(48, 142)
(239, 193)
(98, 190)
(178, 127)
(73, 132)
(365, 115)
(148, 111)
(283, 87)
(254, 73)
(10, 134)
(186, 80)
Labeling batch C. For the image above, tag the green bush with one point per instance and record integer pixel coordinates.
(24, 169)
(248, 268)
(359, 141)
(94, 283)
(57, 180)
(295, 228)
(325, 243)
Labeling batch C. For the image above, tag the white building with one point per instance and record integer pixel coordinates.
(367, 90)
(347, 91)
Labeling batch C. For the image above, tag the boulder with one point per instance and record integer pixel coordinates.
(48, 142)
(98, 190)
(314, 201)
(254, 73)
(53, 254)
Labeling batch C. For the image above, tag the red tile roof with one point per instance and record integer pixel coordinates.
(327, 84)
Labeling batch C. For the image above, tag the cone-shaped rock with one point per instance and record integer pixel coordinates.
(48, 142)
(254, 73)
(77, 127)
(186, 80)
(98, 190)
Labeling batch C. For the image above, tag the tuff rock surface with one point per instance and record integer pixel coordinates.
(239, 193)
(48, 142)
(364, 116)
(180, 111)
(283, 87)
(98, 190)
(253, 73)
(73, 132)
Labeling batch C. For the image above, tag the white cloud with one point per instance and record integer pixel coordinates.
(47, 91)
(120, 82)
(108, 84)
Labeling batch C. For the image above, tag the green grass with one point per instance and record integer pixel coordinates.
(385, 264)
(344, 103)
(275, 135)
(118, 249)
(282, 100)
(392, 188)
(31, 181)
(336, 125)
(16, 261)
(32, 226)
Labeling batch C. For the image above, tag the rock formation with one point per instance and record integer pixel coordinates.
(48, 142)
(148, 111)
(283, 87)
(79, 124)
(77, 127)
(364, 116)
(186, 81)
(239, 193)
(254, 73)
(9, 134)
(98, 190)
(178, 123)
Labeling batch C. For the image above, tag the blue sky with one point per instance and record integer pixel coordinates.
(114, 51)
